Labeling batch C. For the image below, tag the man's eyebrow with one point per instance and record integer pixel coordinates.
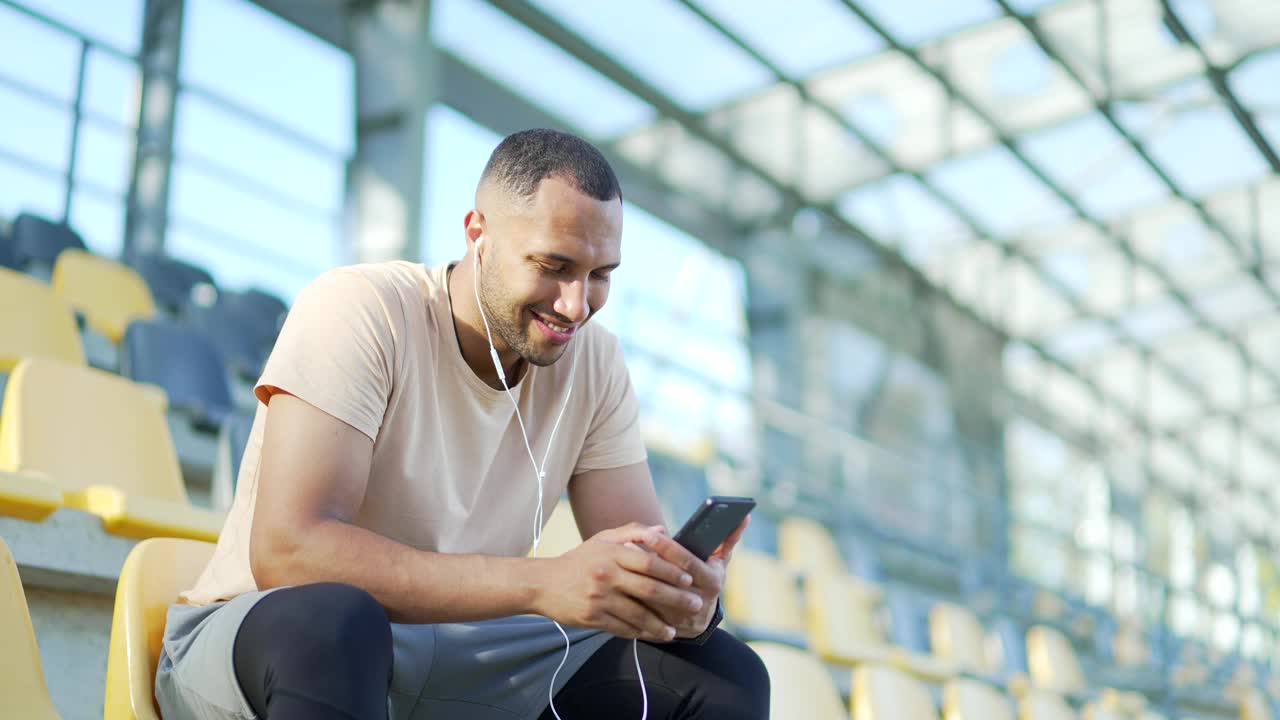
(569, 261)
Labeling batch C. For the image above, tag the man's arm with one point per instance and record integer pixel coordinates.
(603, 499)
(315, 471)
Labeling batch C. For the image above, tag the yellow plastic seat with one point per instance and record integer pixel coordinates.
(805, 546)
(153, 575)
(956, 636)
(1043, 705)
(799, 684)
(35, 322)
(844, 627)
(109, 294)
(966, 699)
(28, 495)
(1129, 647)
(1253, 706)
(23, 693)
(1099, 711)
(760, 594)
(884, 693)
(560, 534)
(1052, 662)
(105, 443)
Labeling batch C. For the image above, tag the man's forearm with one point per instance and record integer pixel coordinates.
(413, 585)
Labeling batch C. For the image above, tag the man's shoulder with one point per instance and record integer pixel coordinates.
(366, 281)
(393, 274)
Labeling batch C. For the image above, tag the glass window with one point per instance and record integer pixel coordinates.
(798, 37)
(536, 68)
(117, 23)
(697, 67)
(916, 22)
(253, 58)
(35, 55)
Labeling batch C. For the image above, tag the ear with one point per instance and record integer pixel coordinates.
(473, 226)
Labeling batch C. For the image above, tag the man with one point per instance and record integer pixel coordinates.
(373, 561)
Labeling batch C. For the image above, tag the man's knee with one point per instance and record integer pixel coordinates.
(345, 617)
(742, 668)
(333, 621)
(323, 645)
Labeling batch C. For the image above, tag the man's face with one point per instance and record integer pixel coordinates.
(545, 266)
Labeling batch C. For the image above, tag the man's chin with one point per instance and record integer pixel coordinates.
(547, 357)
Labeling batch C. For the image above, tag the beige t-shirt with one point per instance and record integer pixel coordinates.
(374, 346)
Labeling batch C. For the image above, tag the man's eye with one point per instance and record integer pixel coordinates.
(604, 276)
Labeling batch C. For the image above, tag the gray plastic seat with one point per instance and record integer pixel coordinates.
(185, 363)
(171, 280)
(37, 242)
(242, 346)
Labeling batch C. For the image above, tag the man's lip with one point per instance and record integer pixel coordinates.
(569, 328)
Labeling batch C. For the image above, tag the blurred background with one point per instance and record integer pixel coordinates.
(980, 298)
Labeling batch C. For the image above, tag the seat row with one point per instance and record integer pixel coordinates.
(106, 296)
(156, 570)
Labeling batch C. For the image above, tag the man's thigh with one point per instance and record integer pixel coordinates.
(722, 679)
(486, 670)
(195, 678)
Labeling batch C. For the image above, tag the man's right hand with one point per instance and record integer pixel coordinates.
(608, 584)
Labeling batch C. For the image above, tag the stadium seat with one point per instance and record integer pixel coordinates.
(35, 322)
(1254, 706)
(7, 257)
(1052, 662)
(956, 636)
(105, 442)
(885, 693)
(560, 534)
(1097, 710)
(1044, 705)
(28, 495)
(153, 575)
(23, 693)
(761, 601)
(37, 242)
(799, 684)
(844, 626)
(806, 546)
(171, 280)
(242, 352)
(185, 364)
(109, 294)
(967, 699)
(263, 311)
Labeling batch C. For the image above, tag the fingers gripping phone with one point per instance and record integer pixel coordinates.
(712, 523)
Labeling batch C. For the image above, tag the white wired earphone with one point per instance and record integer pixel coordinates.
(540, 471)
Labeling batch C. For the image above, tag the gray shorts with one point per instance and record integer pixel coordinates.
(489, 670)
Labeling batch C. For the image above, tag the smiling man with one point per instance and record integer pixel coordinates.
(373, 562)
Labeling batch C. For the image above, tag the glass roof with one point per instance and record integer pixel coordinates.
(1066, 168)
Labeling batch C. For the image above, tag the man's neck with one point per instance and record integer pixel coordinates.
(469, 331)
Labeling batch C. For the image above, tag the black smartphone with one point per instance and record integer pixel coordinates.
(711, 524)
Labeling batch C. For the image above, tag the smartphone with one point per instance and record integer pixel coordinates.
(711, 524)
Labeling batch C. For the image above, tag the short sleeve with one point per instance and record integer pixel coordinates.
(613, 437)
(336, 351)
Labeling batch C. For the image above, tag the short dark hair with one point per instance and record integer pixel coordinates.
(526, 158)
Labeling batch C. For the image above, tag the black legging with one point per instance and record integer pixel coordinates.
(324, 651)
(723, 678)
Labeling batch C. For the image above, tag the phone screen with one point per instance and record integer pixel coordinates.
(712, 523)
